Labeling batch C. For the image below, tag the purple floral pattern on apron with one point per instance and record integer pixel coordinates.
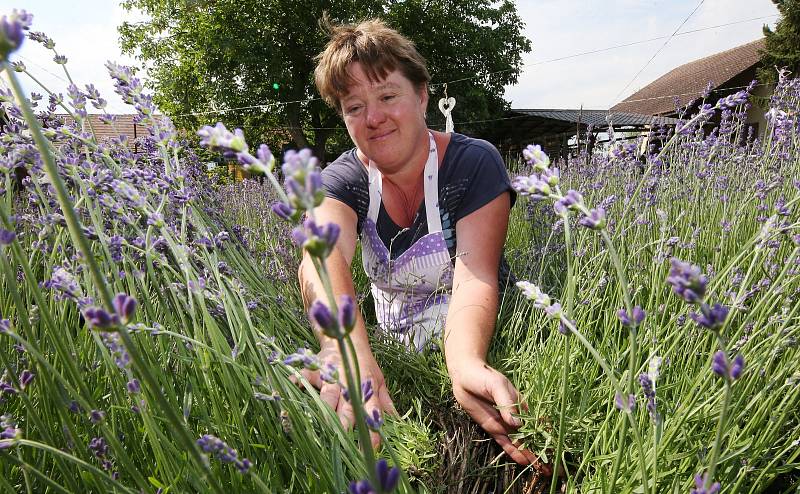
(411, 292)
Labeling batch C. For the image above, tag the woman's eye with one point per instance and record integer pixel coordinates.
(353, 110)
(388, 97)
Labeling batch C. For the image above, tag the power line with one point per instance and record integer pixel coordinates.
(658, 51)
(632, 43)
(44, 69)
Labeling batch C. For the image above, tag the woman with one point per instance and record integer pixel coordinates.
(432, 212)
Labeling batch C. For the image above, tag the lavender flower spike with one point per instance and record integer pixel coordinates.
(738, 367)
(723, 368)
(219, 138)
(347, 313)
(687, 281)
(317, 240)
(534, 293)
(321, 315)
(98, 318)
(596, 219)
(700, 481)
(6, 237)
(710, 317)
(387, 477)
(634, 319)
(535, 157)
(124, 306)
(11, 33)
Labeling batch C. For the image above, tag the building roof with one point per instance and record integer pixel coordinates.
(688, 82)
(123, 125)
(596, 118)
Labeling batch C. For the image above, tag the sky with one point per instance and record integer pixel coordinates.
(85, 32)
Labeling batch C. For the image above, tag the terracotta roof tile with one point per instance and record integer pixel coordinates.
(690, 80)
(123, 125)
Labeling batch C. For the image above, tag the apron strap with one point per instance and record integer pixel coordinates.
(431, 186)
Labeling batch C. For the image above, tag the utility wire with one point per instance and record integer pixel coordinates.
(657, 52)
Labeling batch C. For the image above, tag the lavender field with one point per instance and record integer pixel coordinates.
(151, 326)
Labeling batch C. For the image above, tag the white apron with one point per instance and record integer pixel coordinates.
(411, 292)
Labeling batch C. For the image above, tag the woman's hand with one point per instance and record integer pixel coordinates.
(491, 400)
(332, 393)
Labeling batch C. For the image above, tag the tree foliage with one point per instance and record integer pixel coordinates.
(207, 55)
(782, 46)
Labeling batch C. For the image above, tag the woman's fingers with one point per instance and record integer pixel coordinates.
(512, 451)
(505, 397)
(385, 402)
(331, 394)
(345, 413)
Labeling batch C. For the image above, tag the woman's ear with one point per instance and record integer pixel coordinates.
(423, 96)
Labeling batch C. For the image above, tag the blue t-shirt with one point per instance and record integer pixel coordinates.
(471, 175)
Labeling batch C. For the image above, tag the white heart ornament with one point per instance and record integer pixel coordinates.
(446, 105)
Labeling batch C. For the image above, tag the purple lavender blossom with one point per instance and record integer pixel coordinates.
(42, 39)
(96, 416)
(6, 237)
(535, 157)
(687, 280)
(738, 367)
(321, 315)
(99, 447)
(25, 378)
(224, 453)
(12, 34)
(347, 313)
(124, 306)
(99, 318)
(719, 364)
(633, 320)
(9, 434)
(700, 482)
(366, 390)
(532, 292)
(319, 241)
(5, 326)
(134, 387)
(710, 317)
(571, 200)
(733, 100)
(554, 310)
(360, 487)
(595, 220)
(723, 368)
(388, 478)
(532, 186)
(649, 393)
(284, 211)
(303, 357)
(625, 405)
(374, 421)
(329, 374)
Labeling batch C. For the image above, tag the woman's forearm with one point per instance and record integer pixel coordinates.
(312, 289)
(470, 323)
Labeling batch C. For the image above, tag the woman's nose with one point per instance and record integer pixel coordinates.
(375, 116)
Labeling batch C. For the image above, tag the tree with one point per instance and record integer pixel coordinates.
(782, 46)
(203, 55)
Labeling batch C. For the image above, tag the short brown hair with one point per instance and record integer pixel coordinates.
(379, 48)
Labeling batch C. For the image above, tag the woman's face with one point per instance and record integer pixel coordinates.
(386, 119)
